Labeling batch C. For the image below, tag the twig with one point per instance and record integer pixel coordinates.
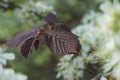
(10, 5)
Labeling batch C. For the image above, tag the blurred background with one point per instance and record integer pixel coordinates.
(40, 65)
(20, 15)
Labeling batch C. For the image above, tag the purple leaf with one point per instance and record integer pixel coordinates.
(20, 38)
(26, 47)
(61, 40)
(52, 19)
(27, 40)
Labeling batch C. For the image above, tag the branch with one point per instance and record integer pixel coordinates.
(10, 5)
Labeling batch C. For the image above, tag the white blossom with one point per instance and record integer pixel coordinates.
(110, 52)
(29, 13)
(103, 78)
(71, 69)
(69, 66)
(100, 39)
(6, 56)
(8, 73)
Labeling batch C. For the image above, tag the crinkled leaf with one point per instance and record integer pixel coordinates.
(22, 37)
(26, 40)
(61, 40)
(26, 48)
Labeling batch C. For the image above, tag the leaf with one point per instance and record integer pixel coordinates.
(52, 19)
(27, 40)
(62, 41)
(22, 37)
(27, 46)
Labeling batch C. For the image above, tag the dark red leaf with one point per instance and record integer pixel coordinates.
(22, 37)
(52, 19)
(27, 40)
(26, 47)
(61, 40)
